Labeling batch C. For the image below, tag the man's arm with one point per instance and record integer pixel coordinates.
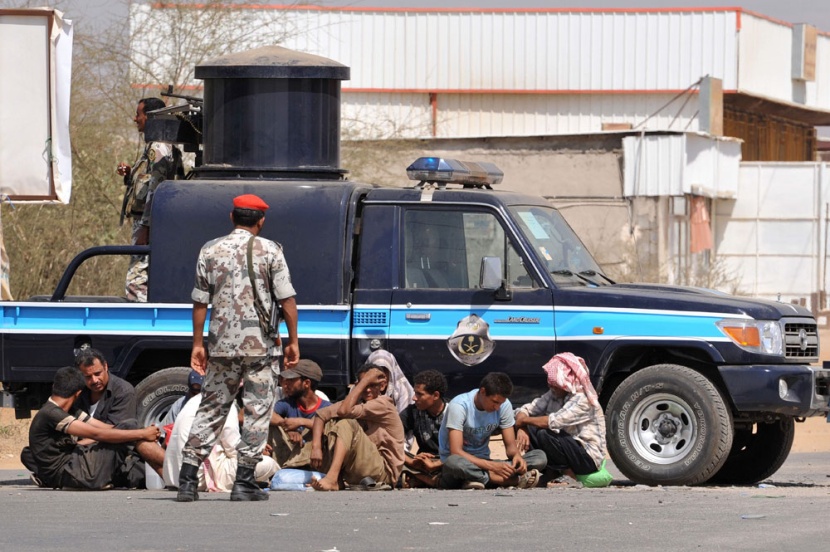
(291, 350)
(111, 435)
(317, 443)
(508, 436)
(456, 437)
(293, 424)
(373, 376)
(198, 358)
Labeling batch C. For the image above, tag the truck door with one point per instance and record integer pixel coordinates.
(440, 318)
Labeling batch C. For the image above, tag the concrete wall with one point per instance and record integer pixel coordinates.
(580, 175)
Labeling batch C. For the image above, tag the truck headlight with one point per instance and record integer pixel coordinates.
(757, 336)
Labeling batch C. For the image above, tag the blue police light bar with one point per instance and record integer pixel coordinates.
(452, 171)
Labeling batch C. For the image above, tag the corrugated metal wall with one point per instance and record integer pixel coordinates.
(680, 164)
(523, 50)
(773, 237)
(522, 72)
(765, 64)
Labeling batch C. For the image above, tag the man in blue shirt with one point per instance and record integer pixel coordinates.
(293, 416)
(464, 440)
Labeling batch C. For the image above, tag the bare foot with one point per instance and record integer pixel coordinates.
(324, 484)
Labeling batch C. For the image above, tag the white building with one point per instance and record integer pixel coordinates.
(463, 75)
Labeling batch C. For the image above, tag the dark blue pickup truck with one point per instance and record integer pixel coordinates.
(447, 274)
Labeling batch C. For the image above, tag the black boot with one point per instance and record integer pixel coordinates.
(188, 483)
(245, 487)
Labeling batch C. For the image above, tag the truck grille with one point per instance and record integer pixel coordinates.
(800, 340)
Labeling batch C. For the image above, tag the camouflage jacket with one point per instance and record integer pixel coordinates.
(157, 164)
(222, 281)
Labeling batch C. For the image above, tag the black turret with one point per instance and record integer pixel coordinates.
(271, 113)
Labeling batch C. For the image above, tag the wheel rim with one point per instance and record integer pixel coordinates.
(663, 429)
(159, 410)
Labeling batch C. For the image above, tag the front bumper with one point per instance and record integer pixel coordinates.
(795, 390)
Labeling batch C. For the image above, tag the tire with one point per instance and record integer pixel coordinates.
(157, 392)
(668, 425)
(757, 455)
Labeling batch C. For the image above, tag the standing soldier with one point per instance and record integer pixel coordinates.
(241, 345)
(158, 163)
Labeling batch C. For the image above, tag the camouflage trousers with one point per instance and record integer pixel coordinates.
(135, 287)
(220, 388)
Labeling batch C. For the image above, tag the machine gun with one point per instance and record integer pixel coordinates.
(176, 124)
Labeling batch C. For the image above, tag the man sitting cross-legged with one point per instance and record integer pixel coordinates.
(101, 459)
(293, 416)
(422, 420)
(360, 440)
(470, 420)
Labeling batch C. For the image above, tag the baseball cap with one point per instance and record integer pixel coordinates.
(195, 378)
(305, 368)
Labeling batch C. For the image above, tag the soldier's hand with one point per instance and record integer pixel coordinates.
(198, 359)
(291, 355)
(123, 169)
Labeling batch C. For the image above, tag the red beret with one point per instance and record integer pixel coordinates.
(250, 201)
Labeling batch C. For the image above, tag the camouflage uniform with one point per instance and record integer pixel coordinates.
(157, 164)
(237, 349)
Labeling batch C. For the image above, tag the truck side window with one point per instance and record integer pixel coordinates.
(443, 249)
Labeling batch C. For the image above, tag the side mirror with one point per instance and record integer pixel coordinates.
(490, 276)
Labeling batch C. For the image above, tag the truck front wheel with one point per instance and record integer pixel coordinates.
(757, 453)
(156, 393)
(668, 425)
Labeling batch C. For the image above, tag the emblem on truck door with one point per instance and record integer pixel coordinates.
(470, 343)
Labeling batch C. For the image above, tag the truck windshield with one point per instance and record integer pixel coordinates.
(558, 247)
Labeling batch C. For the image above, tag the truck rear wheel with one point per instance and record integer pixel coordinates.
(757, 453)
(668, 425)
(156, 393)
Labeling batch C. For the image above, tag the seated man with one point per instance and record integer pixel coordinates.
(398, 387)
(359, 440)
(293, 416)
(218, 472)
(423, 420)
(194, 387)
(102, 458)
(106, 397)
(464, 439)
(566, 423)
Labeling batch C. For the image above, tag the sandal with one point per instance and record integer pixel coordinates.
(529, 479)
(369, 484)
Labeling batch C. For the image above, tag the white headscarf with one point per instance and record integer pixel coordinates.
(399, 387)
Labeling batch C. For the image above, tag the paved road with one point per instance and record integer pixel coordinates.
(792, 515)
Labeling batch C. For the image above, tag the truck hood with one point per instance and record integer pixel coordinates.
(676, 298)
